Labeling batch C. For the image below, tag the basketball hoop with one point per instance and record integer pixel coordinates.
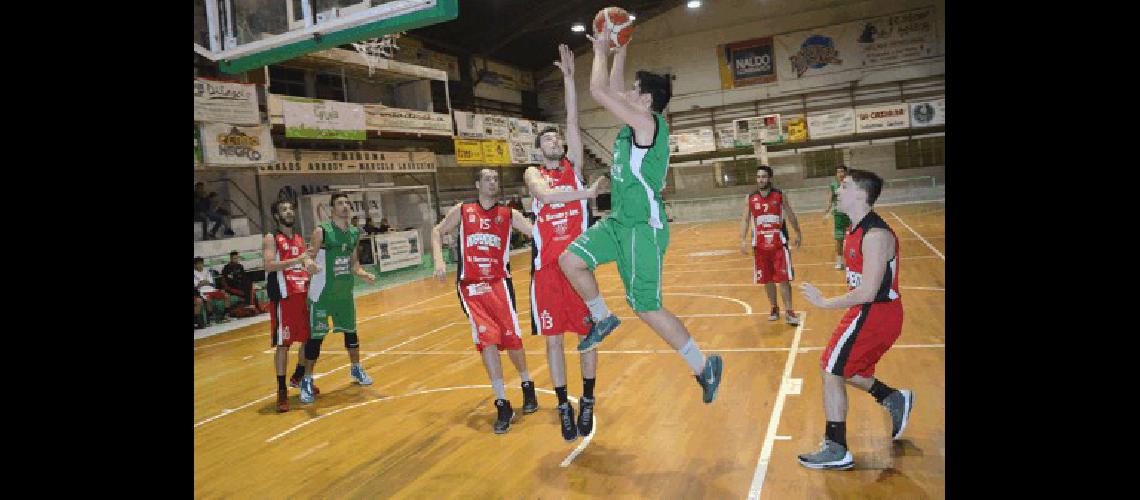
(374, 49)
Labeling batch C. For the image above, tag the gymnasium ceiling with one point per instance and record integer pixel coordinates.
(526, 33)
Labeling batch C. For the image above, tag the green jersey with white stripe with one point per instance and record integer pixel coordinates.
(638, 176)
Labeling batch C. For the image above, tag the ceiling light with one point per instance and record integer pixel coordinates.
(577, 27)
(693, 4)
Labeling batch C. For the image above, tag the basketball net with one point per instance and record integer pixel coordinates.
(375, 49)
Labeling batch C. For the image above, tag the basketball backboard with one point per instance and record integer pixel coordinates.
(245, 34)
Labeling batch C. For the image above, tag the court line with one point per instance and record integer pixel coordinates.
(362, 320)
(565, 462)
(650, 351)
(747, 308)
(418, 311)
(774, 420)
(896, 346)
(228, 411)
(820, 285)
(585, 442)
(262, 335)
(690, 228)
(919, 235)
(794, 265)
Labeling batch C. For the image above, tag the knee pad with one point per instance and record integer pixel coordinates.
(351, 341)
(313, 349)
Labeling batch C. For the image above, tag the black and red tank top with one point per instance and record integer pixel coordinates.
(853, 256)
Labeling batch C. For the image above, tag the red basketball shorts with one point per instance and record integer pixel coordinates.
(862, 337)
(772, 265)
(554, 305)
(288, 321)
(490, 306)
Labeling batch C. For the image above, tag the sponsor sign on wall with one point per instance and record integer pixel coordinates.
(224, 144)
(226, 102)
(747, 62)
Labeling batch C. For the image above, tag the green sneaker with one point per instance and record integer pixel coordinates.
(710, 378)
(598, 331)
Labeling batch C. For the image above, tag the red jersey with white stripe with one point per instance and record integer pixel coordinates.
(293, 280)
(557, 224)
(767, 219)
(484, 242)
(853, 256)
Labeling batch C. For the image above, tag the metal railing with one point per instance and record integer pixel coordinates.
(229, 202)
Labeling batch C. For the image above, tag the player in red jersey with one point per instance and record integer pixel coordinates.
(484, 286)
(561, 215)
(871, 325)
(764, 213)
(284, 257)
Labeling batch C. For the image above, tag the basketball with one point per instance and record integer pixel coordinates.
(621, 26)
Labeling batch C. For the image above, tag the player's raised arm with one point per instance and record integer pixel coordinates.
(617, 69)
(449, 222)
(574, 150)
(641, 120)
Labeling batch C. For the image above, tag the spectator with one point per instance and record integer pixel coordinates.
(234, 281)
(206, 209)
(199, 203)
(204, 286)
(198, 304)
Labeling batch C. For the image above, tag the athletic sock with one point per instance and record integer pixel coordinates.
(500, 390)
(598, 309)
(280, 382)
(880, 391)
(588, 387)
(561, 392)
(837, 431)
(299, 372)
(693, 356)
(524, 375)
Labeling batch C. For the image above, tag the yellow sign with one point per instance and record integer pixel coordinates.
(797, 129)
(468, 152)
(496, 152)
(474, 152)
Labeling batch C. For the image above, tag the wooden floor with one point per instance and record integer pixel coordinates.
(423, 429)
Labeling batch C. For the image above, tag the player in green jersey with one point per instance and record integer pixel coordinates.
(842, 222)
(636, 233)
(331, 308)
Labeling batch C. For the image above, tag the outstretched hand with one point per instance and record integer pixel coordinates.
(813, 295)
(601, 41)
(567, 62)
